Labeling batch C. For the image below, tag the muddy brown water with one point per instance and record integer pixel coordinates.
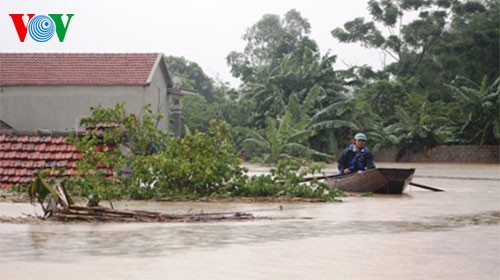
(418, 235)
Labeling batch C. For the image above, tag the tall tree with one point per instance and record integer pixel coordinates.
(433, 40)
(406, 44)
(268, 41)
(192, 76)
(281, 65)
(288, 136)
(470, 45)
(430, 43)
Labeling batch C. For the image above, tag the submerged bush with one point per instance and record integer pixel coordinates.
(200, 164)
(149, 164)
(287, 179)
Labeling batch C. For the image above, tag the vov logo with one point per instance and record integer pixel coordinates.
(41, 28)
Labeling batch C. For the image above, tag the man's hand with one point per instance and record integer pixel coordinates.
(347, 171)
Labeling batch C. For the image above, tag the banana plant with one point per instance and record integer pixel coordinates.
(480, 120)
(49, 197)
(288, 136)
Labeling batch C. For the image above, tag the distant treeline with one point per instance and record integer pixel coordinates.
(441, 88)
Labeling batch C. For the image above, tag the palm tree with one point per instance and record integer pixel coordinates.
(293, 75)
(288, 136)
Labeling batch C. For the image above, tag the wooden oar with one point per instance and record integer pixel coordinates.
(426, 187)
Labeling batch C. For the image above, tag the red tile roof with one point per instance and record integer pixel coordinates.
(76, 68)
(22, 154)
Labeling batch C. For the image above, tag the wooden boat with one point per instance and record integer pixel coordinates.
(379, 180)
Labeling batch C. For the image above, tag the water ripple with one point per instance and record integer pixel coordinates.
(68, 242)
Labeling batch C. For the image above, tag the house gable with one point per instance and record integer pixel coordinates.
(83, 69)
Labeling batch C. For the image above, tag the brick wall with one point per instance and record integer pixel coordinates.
(444, 154)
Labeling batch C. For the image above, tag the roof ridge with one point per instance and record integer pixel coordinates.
(72, 68)
(38, 132)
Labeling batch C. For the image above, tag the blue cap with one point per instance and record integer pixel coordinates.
(360, 136)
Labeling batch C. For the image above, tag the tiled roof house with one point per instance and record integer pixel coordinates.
(54, 91)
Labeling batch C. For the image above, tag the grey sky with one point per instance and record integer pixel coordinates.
(203, 31)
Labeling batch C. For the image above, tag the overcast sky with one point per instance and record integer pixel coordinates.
(203, 31)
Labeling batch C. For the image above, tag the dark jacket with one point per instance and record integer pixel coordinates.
(355, 161)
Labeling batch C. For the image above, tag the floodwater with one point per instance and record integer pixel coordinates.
(418, 235)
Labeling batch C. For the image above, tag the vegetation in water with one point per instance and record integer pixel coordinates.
(115, 165)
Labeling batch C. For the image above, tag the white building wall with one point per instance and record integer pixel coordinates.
(156, 95)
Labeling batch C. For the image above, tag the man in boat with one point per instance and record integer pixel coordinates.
(356, 157)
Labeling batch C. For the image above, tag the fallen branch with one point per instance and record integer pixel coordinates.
(100, 214)
(57, 204)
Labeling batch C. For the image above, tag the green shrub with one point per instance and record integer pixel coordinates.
(199, 164)
(112, 140)
(153, 165)
(287, 179)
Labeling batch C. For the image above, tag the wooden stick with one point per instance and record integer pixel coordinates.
(426, 187)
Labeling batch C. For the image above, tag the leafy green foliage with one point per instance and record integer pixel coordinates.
(109, 145)
(427, 45)
(192, 76)
(430, 43)
(200, 164)
(280, 142)
(268, 41)
(292, 103)
(481, 118)
(470, 44)
(407, 44)
(196, 113)
(114, 126)
(206, 164)
(287, 179)
(419, 131)
(288, 137)
(197, 165)
(98, 176)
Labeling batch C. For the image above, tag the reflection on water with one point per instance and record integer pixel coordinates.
(350, 240)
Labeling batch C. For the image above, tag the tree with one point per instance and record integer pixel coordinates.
(470, 46)
(112, 140)
(292, 76)
(192, 76)
(289, 136)
(442, 39)
(196, 112)
(268, 41)
(419, 130)
(479, 121)
(199, 164)
(281, 141)
(281, 65)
